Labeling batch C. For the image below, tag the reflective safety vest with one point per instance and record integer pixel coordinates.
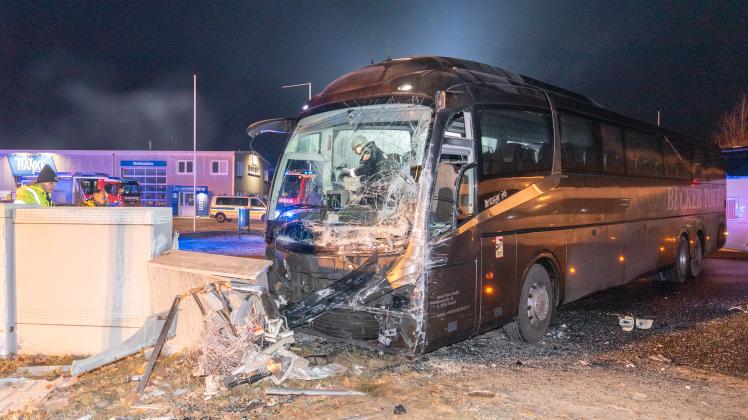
(33, 194)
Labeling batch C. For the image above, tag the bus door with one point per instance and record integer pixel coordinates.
(454, 246)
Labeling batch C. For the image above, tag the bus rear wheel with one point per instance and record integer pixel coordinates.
(694, 266)
(536, 307)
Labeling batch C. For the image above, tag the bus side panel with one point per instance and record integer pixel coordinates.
(529, 247)
(595, 259)
(498, 280)
(641, 248)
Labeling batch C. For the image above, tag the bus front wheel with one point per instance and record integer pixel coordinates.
(536, 307)
(220, 217)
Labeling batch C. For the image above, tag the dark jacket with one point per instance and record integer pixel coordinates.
(370, 170)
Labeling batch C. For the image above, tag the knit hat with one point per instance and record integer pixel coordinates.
(47, 174)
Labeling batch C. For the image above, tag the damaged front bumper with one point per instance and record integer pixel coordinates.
(348, 298)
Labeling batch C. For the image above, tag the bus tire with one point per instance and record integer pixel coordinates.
(221, 217)
(721, 236)
(679, 272)
(694, 265)
(536, 307)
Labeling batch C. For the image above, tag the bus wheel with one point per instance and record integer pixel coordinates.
(221, 217)
(679, 272)
(536, 306)
(694, 267)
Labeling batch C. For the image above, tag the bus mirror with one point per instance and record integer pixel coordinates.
(460, 203)
(276, 125)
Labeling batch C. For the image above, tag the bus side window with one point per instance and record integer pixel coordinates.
(611, 138)
(515, 143)
(643, 157)
(579, 148)
(676, 159)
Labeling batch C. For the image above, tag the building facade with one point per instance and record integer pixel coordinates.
(165, 177)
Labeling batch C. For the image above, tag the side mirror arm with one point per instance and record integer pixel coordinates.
(458, 182)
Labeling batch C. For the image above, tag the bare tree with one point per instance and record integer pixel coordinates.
(733, 131)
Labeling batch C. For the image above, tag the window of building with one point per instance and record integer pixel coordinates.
(239, 169)
(219, 167)
(611, 137)
(184, 167)
(266, 175)
(515, 142)
(579, 148)
(253, 168)
(643, 156)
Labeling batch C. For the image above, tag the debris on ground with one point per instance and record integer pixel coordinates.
(314, 392)
(482, 393)
(23, 394)
(739, 308)
(42, 371)
(643, 324)
(399, 409)
(660, 358)
(626, 323)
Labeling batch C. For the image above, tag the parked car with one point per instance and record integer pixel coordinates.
(226, 207)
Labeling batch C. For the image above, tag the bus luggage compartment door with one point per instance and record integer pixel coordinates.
(497, 280)
(451, 303)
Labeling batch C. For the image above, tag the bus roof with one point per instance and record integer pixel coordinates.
(424, 75)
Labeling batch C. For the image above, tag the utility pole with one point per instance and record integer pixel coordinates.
(194, 152)
(308, 85)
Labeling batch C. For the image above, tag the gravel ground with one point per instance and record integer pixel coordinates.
(692, 363)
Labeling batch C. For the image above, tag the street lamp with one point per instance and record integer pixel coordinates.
(308, 85)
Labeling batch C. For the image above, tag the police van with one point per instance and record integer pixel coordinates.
(226, 207)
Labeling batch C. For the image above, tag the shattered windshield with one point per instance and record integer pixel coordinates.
(354, 166)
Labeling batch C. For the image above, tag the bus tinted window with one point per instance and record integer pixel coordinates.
(515, 142)
(676, 159)
(612, 143)
(579, 150)
(643, 154)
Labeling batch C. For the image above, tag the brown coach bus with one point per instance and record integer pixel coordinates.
(446, 198)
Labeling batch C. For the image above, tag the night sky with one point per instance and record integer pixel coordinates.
(106, 74)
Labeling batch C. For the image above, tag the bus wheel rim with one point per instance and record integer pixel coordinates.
(696, 258)
(538, 303)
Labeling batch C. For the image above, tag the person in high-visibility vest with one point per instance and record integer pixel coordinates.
(39, 192)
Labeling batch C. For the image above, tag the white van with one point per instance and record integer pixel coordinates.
(224, 207)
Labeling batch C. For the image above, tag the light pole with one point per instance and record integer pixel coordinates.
(308, 85)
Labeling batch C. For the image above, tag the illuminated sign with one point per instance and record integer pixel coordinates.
(26, 164)
(142, 163)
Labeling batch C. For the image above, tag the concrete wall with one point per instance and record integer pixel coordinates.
(81, 275)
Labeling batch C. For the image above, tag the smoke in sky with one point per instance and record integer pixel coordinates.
(69, 107)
